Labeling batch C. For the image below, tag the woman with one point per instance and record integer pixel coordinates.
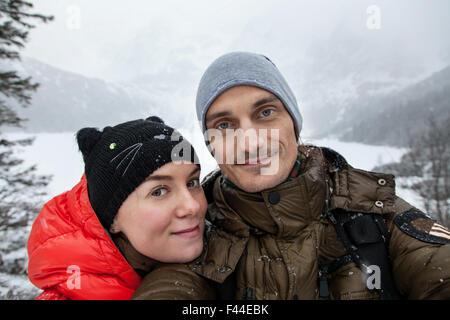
(133, 208)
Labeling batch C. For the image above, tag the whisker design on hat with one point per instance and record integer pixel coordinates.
(130, 150)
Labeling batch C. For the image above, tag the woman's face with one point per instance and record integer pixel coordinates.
(164, 217)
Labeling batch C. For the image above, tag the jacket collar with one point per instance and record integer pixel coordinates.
(324, 185)
(334, 162)
(283, 211)
(140, 263)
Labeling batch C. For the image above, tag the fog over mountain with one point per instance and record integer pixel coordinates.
(398, 117)
(126, 61)
(67, 101)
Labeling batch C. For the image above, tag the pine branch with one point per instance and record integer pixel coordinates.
(20, 186)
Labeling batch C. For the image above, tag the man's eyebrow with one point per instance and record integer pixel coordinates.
(258, 103)
(217, 115)
(265, 100)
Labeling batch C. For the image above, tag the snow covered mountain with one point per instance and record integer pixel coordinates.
(337, 66)
(394, 118)
(66, 101)
(356, 108)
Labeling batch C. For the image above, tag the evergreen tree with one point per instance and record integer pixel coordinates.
(20, 187)
(431, 153)
(425, 168)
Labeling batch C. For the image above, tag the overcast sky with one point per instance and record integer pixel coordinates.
(119, 40)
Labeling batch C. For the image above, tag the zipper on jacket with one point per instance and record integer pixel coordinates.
(324, 292)
(248, 294)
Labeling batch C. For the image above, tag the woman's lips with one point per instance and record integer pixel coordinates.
(189, 233)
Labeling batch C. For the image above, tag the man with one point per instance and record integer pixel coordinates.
(290, 221)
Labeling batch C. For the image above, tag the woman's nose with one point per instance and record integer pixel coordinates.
(187, 204)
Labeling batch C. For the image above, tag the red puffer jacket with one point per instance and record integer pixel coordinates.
(72, 257)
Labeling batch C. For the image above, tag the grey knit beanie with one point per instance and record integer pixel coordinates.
(244, 68)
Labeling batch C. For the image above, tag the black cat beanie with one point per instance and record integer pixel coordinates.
(118, 159)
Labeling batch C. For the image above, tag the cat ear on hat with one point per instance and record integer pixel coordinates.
(87, 138)
(155, 119)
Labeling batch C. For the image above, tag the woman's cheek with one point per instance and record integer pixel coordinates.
(157, 222)
(152, 235)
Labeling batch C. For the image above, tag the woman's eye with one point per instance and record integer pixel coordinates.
(223, 125)
(193, 183)
(159, 192)
(266, 113)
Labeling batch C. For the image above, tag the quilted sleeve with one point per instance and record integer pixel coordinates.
(174, 282)
(420, 255)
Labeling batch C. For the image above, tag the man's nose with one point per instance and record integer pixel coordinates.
(246, 124)
(250, 138)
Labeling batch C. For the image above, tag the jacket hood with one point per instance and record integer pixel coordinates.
(69, 251)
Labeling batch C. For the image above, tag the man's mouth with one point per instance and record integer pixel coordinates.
(258, 161)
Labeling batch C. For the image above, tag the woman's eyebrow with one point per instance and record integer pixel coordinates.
(197, 169)
(161, 177)
(158, 178)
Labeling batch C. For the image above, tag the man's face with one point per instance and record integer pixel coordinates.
(266, 156)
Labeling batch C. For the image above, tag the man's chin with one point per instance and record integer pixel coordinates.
(253, 178)
(258, 183)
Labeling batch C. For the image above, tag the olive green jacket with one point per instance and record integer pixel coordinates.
(273, 242)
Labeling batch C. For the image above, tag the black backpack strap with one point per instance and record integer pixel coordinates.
(366, 239)
(326, 269)
(227, 289)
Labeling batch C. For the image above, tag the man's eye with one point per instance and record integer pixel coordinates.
(193, 183)
(223, 125)
(159, 192)
(266, 113)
